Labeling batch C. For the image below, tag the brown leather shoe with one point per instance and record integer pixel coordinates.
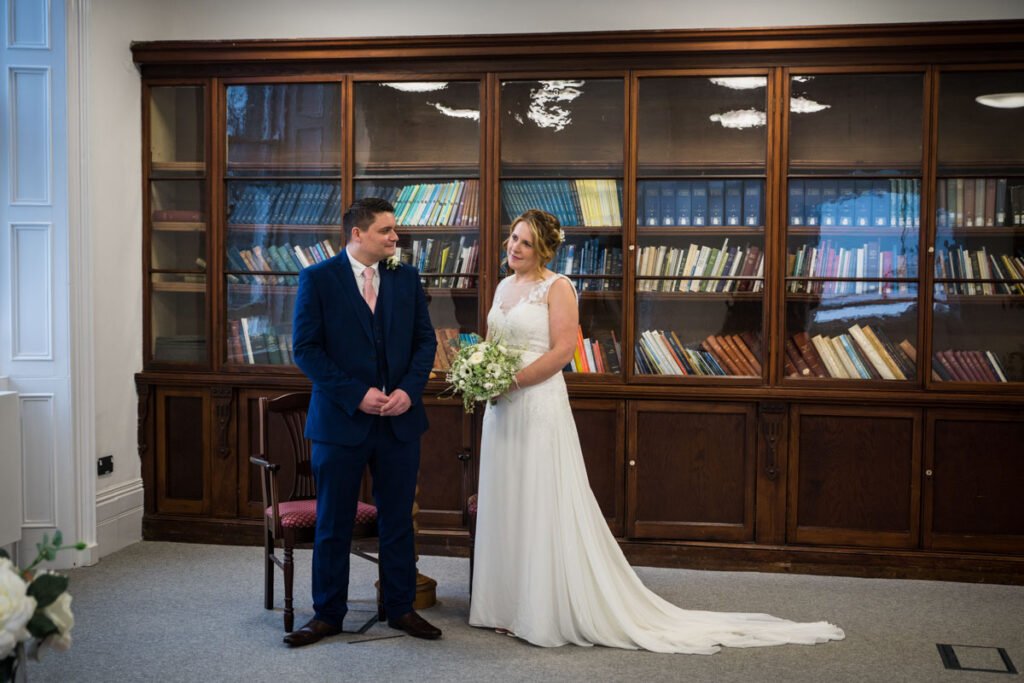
(314, 631)
(416, 626)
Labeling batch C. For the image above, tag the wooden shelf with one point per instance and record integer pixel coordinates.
(699, 230)
(979, 299)
(701, 296)
(179, 287)
(283, 227)
(178, 226)
(987, 231)
(850, 231)
(177, 166)
(438, 229)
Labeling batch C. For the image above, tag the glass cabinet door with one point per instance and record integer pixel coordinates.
(283, 201)
(978, 309)
(700, 208)
(853, 226)
(178, 222)
(417, 144)
(562, 151)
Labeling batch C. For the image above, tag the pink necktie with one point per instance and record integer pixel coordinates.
(368, 293)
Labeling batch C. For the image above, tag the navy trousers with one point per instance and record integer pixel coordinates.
(338, 471)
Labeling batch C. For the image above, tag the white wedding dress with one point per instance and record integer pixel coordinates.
(547, 568)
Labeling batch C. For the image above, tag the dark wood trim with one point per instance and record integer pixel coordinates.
(927, 565)
(947, 36)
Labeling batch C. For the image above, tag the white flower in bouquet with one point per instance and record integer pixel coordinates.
(59, 612)
(16, 608)
(482, 372)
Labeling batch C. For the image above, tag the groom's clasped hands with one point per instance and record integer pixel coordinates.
(376, 402)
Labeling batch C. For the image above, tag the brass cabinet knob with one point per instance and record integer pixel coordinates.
(632, 463)
(927, 473)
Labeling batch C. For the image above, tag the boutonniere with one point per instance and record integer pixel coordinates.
(392, 262)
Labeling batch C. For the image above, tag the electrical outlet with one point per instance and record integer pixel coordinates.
(105, 465)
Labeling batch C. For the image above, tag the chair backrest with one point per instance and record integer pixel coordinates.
(296, 450)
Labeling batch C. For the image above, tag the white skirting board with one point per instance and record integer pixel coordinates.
(119, 516)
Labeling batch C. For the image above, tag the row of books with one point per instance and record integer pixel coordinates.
(733, 355)
(441, 259)
(699, 203)
(828, 260)
(700, 261)
(449, 340)
(178, 216)
(285, 203)
(978, 203)
(273, 258)
(455, 203)
(590, 257)
(964, 264)
(586, 202)
(597, 354)
(255, 341)
(967, 366)
(894, 202)
(860, 353)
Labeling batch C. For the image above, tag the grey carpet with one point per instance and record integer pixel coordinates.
(182, 612)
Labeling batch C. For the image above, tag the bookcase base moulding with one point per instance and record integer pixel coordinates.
(895, 486)
(799, 255)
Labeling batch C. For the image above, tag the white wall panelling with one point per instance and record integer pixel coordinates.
(31, 272)
(31, 135)
(39, 461)
(28, 24)
(119, 516)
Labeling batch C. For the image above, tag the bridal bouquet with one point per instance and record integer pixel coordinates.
(482, 372)
(35, 608)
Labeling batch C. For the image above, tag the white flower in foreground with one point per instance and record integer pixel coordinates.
(59, 612)
(16, 608)
(477, 358)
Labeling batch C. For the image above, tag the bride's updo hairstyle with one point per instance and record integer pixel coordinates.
(545, 230)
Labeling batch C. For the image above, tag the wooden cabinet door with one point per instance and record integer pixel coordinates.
(601, 425)
(691, 470)
(183, 445)
(441, 496)
(853, 476)
(973, 478)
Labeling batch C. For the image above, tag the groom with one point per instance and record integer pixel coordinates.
(363, 335)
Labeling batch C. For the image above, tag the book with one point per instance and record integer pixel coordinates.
(809, 354)
(752, 192)
(796, 202)
(794, 357)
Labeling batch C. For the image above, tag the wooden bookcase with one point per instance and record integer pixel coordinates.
(799, 252)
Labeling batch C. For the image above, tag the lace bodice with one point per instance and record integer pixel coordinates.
(519, 317)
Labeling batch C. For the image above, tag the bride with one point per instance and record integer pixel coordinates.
(547, 568)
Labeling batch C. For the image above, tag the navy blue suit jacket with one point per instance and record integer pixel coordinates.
(333, 344)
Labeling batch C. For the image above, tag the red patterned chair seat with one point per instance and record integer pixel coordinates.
(301, 514)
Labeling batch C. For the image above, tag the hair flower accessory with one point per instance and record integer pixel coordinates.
(561, 235)
(392, 262)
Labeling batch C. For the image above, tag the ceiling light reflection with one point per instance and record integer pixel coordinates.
(802, 105)
(544, 110)
(1002, 100)
(417, 86)
(741, 82)
(740, 118)
(456, 113)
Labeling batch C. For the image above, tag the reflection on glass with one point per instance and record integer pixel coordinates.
(841, 123)
(549, 127)
(427, 128)
(178, 317)
(293, 128)
(978, 310)
(974, 137)
(854, 330)
(707, 126)
(177, 141)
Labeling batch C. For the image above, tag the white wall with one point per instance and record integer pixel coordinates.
(113, 156)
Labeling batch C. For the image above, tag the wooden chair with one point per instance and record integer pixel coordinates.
(469, 507)
(290, 517)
